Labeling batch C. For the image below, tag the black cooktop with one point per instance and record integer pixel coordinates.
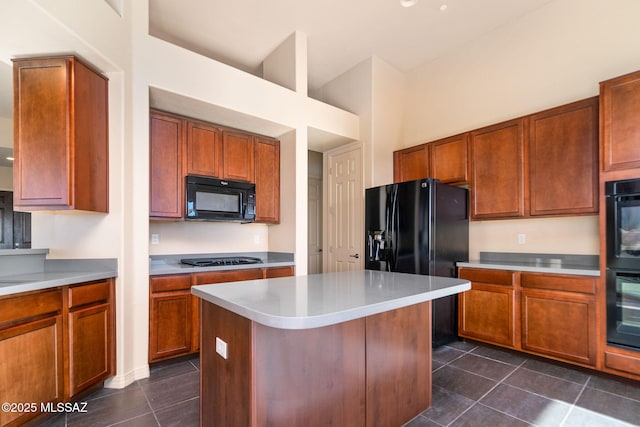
(212, 262)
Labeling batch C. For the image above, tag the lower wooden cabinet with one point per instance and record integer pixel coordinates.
(560, 325)
(551, 315)
(32, 369)
(170, 317)
(487, 311)
(54, 344)
(559, 317)
(174, 313)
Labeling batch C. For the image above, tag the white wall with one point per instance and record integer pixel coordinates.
(553, 56)
(6, 179)
(388, 101)
(6, 140)
(6, 132)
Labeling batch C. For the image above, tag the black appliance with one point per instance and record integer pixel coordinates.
(213, 199)
(420, 227)
(622, 199)
(220, 261)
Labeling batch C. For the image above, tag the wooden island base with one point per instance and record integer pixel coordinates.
(371, 371)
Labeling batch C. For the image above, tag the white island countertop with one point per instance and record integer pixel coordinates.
(304, 302)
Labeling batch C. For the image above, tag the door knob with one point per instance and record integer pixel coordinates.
(356, 256)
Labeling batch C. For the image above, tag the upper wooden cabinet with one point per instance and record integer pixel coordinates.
(411, 163)
(449, 159)
(619, 124)
(61, 135)
(166, 186)
(204, 150)
(497, 171)
(238, 156)
(563, 159)
(180, 146)
(267, 179)
(543, 164)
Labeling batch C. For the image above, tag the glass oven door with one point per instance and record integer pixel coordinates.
(623, 225)
(623, 308)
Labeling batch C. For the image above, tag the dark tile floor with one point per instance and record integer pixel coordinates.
(169, 397)
(473, 385)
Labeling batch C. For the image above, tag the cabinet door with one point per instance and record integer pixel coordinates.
(166, 176)
(486, 314)
(238, 156)
(90, 341)
(61, 135)
(170, 325)
(497, 166)
(563, 160)
(449, 159)
(91, 330)
(32, 363)
(559, 324)
(619, 126)
(487, 310)
(42, 148)
(204, 150)
(171, 311)
(267, 180)
(411, 163)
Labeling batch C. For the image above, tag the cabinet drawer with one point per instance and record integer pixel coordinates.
(581, 284)
(170, 283)
(87, 294)
(278, 272)
(25, 306)
(622, 362)
(227, 276)
(495, 277)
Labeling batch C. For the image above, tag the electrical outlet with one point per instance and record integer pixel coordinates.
(155, 239)
(221, 347)
(522, 239)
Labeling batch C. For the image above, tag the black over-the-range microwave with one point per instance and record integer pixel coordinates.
(210, 199)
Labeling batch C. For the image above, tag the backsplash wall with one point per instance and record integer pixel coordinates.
(188, 237)
(563, 235)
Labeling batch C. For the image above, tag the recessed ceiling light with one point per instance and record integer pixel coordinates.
(443, 7)
(408, 3)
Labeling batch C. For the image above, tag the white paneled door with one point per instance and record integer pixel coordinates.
(315, 226)
(345, 210)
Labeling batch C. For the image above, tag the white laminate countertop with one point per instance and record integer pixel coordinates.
(533, 267)
(56, 273)
(305, 302)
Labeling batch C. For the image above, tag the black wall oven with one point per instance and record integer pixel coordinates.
(623, 262)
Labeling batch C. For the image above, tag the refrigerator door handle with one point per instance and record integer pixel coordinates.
(393, 238)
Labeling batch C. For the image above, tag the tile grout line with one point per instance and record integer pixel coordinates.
(573, 405)
(477, 401)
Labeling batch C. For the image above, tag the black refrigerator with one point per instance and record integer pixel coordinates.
(420, 227)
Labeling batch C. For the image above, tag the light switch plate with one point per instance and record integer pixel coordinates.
(221, 347)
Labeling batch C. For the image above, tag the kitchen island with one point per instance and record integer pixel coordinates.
(350, 348)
